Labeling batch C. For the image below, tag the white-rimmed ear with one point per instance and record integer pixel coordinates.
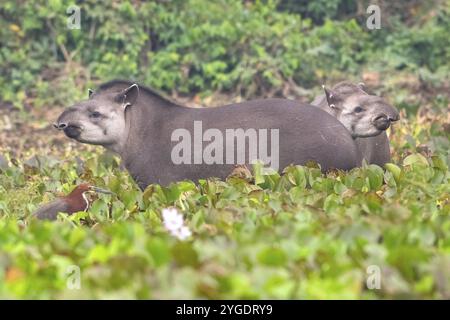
(128, 96)
(362, 86)
(90, 92)
(331, 97)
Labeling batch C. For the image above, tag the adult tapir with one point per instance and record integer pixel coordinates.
(367, 117)
(161, 142)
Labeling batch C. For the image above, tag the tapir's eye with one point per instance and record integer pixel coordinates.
(95, 114)
(358, 109)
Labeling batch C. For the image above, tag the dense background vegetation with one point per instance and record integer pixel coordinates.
(299, 235)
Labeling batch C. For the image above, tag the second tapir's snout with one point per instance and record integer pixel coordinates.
(387, 115)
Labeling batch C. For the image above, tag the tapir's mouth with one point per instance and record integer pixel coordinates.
(72, 131)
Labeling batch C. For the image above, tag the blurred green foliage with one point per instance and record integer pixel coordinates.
(251, 48)
(300, 235)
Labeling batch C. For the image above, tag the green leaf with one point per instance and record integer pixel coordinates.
(159, 251)
(272, 256)
(185, 254)
(416, 158)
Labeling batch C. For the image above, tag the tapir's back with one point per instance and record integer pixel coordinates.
(306, 133)
(294, 132)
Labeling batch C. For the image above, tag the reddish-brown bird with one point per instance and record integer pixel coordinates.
(75, 201)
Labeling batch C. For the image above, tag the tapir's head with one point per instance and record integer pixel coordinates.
(362, 114)
(100, 120)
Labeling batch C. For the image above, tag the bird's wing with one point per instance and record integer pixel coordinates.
(50, 210)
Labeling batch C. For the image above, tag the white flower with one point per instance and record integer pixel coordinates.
(173, 222)
(183, 233)
(172, 219)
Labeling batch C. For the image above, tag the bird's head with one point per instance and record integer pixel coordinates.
(86, 187)
(79, 195)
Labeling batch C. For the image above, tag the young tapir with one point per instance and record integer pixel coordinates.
(161, 142)
(367, 117)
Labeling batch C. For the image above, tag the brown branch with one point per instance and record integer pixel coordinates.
(67, 56)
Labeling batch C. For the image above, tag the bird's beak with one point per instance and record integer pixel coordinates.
(99, 190)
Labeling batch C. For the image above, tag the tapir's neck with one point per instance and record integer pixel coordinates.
(322, 103)
(145, 121)
(119, 145)
(116, 147)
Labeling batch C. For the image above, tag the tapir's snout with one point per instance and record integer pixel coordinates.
(70, 129)
(388, 115)
(382, 122)
(391, 113)
(60, 126)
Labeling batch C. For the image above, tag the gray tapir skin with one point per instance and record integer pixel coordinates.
(345, 99)
(137, 123)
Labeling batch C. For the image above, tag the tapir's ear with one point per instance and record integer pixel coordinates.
(362, 86)
(128, 96)
(90, 92)
(331, 97)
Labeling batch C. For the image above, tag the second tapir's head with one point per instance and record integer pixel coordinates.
(100, 120)
(362, 114)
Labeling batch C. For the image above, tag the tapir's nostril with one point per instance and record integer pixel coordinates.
(382, 122)
(60, 126)
(395, 117)
(381, 117)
